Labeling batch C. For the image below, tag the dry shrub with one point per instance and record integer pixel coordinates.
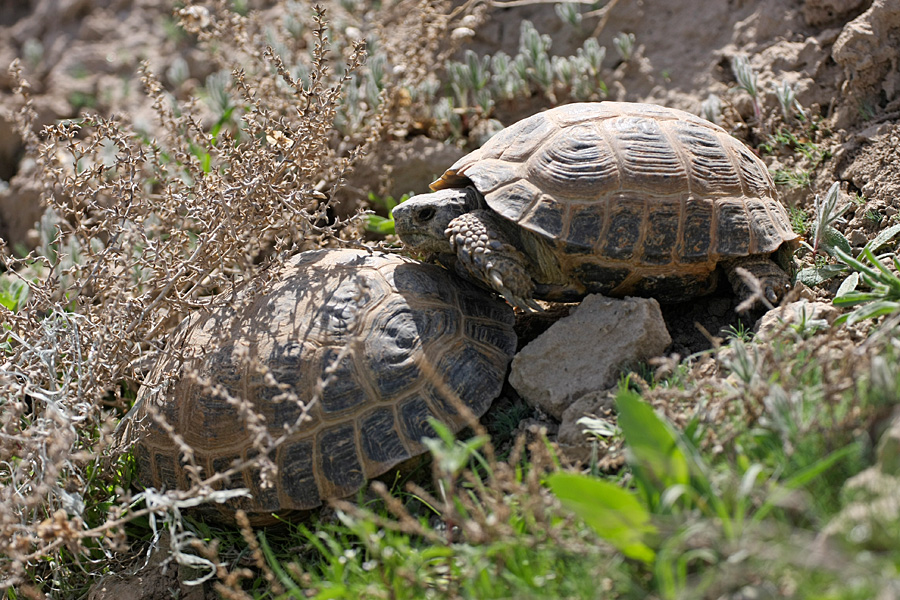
(141, 229)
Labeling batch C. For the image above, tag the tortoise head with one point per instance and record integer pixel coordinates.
(421, 221)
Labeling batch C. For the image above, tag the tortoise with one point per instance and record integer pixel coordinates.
(612, 198)
(395, 341)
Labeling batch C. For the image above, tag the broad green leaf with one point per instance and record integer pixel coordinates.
(616, 515)
(814, 276)
(869, 311)
(848, 285)
(652, 442)
(835, 240)
(379, 224)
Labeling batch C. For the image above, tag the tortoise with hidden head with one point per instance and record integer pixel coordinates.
(396, 341)
(611, 198)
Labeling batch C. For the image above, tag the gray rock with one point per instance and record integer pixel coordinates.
(586, 351)
(803, 313)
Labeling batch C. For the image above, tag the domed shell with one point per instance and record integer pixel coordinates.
(374, 344)
(635, 184)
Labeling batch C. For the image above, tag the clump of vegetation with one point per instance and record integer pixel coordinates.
(145, 226)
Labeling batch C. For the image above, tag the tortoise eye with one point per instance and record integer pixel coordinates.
(426, 213)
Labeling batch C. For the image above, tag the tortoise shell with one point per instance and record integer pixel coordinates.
(394, 341)
(633, 198)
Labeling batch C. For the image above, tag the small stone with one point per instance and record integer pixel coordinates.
(586, 351)
(818, 315)
(857, 238)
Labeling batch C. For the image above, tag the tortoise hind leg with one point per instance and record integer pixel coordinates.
(485, 254)
(774, 281)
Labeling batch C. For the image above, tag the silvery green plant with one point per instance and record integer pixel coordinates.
(829, 240)
(825, 236)
(568, 13)
(533, 61)
(787, 99)
(444, 112)
(33, 52)
(217, 97)
(375, 79)
(506, 82)
(624, 43)
(711, 109)
(592, 53)
(178, 71)
(746, 79)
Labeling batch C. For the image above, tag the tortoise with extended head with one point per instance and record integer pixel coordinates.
(611, 198)
(395, 341)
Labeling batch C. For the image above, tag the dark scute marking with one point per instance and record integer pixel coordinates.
(380, 441)
(516, 142)
(210, 417)
(286, 363)
(492, 334)
(474, 377)
(586, 225)
(340, 465)
(546, 218)
(223, 367)
(577, 163)
(413, 414)
(479, 304)
(600, 279)
(392, 344)
(143, 465)
(513, 201)
(662, 233)
(166, 474)
(697, 231)
(264, 499)
(222, 464)
(626, 216)
(649, 163)
(676, 288)
(764, 229)
(339, 313)
(295, 471)
(436, 324)
(732, 228)
(754, 172)
(712, 172)
(423, 281)
(342, 392)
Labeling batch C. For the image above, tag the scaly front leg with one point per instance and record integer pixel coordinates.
(485, 254)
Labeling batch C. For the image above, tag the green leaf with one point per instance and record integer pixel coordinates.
(657, 457)
(379, 224)
(616, 515)
(834, 239)
(882, 238)
(848, 285)
(814, 276)
(869, 311)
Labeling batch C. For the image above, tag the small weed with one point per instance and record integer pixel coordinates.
(739, 332)
(792, 179)
(799, 220)
(874, 216)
